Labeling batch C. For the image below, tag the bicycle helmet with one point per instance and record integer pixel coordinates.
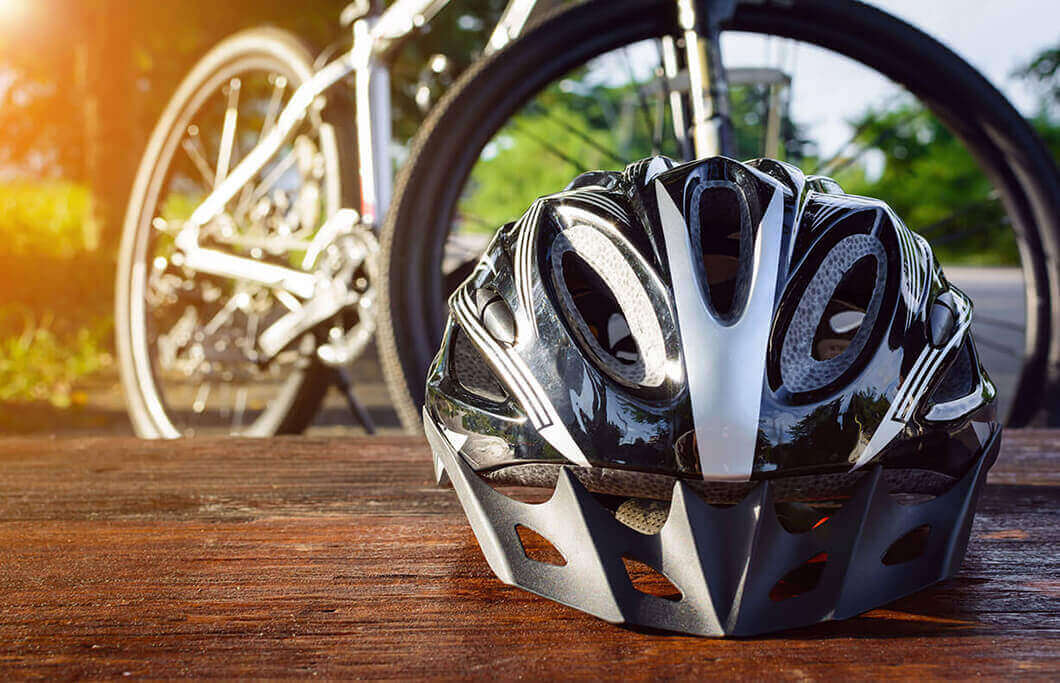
(756, 399)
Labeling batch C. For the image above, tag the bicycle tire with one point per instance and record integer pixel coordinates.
(297, 403)
(491, 91)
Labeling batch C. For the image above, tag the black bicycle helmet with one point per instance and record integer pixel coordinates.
(755, 385)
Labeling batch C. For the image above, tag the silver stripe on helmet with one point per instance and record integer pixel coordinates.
(913, 389)
(725, 365)
(510, 373)
(512, 370)
(914, 275)
(527, 229)
(605, 203)
(524, 264)
(595, 195)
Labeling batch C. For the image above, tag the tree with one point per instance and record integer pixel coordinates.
(932, 181)
(587, 121)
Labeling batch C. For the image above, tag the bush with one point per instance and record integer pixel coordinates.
(55, 292)
(46, 219)
(42, 365)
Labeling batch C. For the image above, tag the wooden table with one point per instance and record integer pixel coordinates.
(338, 557)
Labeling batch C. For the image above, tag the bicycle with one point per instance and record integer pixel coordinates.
(265, 294)
(246, 280)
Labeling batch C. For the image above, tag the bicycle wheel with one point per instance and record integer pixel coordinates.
(186, 340)
(490, 106)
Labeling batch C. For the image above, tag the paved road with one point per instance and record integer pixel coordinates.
(998, 322)
(997, 292)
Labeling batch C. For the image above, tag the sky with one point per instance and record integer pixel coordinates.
(996, 36)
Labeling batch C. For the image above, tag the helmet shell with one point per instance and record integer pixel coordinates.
(523, 373)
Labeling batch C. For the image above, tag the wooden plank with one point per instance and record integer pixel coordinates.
(1028, 456)
(338, 557)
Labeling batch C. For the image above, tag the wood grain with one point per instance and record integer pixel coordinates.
(338, 557)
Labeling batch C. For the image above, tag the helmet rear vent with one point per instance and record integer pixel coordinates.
(909, 547)
(959, 380)
(802, 579)
(649, 580)
(537, 547)
(643, 515)
(798, 518)
(723, 231)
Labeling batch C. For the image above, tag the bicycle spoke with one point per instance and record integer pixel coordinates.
(239, 409)
(580, 134)
(642, 100)
(278, 87)
(202, 330)
(201, 396)
(964, 210)
(273, 177)
(194, 148)
(228, 131)
(551, 148)
(839, 161)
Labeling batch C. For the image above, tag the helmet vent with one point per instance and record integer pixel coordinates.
(845, 312)
(723, 233)
(611, 305)
(835, 314)
(802, 579)
(959, 380)
(909, 547)
(599, 309)
(643, 515)
(537, 548)
(798, 518)
(649, 580)
(471, 372)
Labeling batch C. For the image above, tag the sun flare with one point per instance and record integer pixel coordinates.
(12, 9)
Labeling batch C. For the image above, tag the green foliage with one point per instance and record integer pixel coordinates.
(55, 287)
(48, 69)
(573, 127)
(934, 184)
(1042, 73)
(542, 149)
(41, 364)
(46, 219)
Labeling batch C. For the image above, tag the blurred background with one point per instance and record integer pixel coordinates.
(83, 81)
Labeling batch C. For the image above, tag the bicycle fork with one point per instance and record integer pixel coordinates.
(700, 105)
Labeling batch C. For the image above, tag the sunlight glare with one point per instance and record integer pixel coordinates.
(11, 10)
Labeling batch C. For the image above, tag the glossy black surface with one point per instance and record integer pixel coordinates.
(801, 431)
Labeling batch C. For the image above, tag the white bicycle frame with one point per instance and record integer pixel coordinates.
(374, 37)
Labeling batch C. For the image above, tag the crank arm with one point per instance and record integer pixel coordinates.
(222, 264)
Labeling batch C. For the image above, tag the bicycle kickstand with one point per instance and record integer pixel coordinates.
(344, 381)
